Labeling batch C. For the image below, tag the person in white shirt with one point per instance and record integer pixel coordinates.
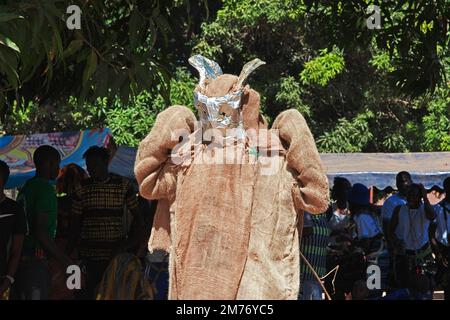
(339, 217)
(368, 230)
(409, 233)
(440, 236)
(403, 182)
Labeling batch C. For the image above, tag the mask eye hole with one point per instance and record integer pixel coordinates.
(224, 109)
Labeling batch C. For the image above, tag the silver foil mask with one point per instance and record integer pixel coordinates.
(223, 112)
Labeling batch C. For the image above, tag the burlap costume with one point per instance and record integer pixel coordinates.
(232, 229)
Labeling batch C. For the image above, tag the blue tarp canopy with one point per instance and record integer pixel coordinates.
(123, 162)
(372, 169)
(379, 169)
(17, 151)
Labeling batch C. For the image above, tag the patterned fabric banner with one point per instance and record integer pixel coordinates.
(17, 151)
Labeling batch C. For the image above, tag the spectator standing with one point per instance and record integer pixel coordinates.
(440, 239)
(68, 181)
(99, 208)
(39, 200)
(12, 230)
(409, 235)
(403, 182)
(338, 213)
(314, 248)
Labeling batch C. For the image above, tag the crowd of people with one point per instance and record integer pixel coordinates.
(88, 218)
(406, 238)
(84, 221)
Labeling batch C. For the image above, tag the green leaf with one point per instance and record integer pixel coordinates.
(56, 35)
(90, 68)
(152, 28)
(101, 80)
(83, 55)
(30, 63)
(135, 28)
(143, 77)
(72, 48)
(4, 17)
(37, 23)
(9, 43)
(6, 67)
(162, 24)
(9, 57)
(21, 35)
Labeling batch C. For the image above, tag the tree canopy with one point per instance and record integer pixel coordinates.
(360, 89)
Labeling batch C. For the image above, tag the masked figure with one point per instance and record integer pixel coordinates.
(231, 191)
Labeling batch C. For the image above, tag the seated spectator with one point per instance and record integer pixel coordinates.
(124, 279)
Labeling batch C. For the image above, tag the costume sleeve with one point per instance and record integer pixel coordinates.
(154, 172)
(161, 231)
(312, 193)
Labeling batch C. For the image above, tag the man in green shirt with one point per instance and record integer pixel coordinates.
(39, 201)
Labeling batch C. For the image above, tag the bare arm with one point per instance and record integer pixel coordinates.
(13, 262)
(15, 252)
(47, 242)
(432, 236)
(429, 210)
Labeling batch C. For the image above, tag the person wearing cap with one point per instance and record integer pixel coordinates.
(369, 236)
(368, 230)
(409, 233)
